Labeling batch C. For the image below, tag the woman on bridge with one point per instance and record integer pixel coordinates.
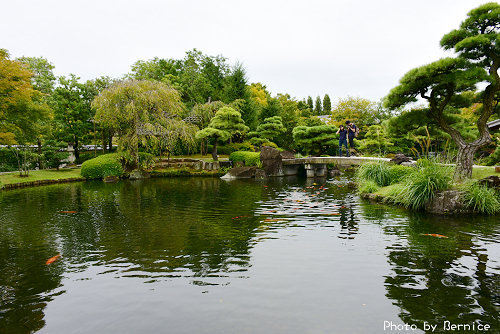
(342, 140)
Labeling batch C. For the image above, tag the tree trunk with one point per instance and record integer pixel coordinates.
(110, 141)
(39, 143)
(214, 151)
(77, 152)
(464, 162)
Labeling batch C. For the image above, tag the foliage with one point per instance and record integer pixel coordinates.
(494, 158)
(249, 158)
(315, 138)
(480, 198)
(368, 187)
(421, 185)
(72, 111)
(233, 147)
(146, 161)
(444, 82)
(43, 78)
(399, 173)
(52, 157)
(102, 166)
(8, 160)
(318, 108)
(376, 140)
(271, 128)
(359, 111)
(378, 172)
(21, 105)
(26, 159)
(310, 103)
(327, 104)
(140, 111)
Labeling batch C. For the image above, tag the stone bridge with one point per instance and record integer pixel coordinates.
(317, 166)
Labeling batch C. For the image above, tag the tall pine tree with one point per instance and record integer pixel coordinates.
(318, 109)
(327, 104)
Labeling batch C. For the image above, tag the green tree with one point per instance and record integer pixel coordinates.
(315, 138)
(202, 114)
(226, 123)
(21, 106)
(43, 77)
(72, 111)
(376, 140)
(318, 109)
(271, 128)
(360, 111)
(327, 104)
(310, 103)
(442, 82)
(139, 111)
(155, 69)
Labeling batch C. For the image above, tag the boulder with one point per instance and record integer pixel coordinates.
(409, 164)
(446, 202)
(240, 173)
(137, 174)
(491, 181)
(400, 158)
(111, 179)
(271, 161)
(287, 155)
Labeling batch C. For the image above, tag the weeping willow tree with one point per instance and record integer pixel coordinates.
(140, 111)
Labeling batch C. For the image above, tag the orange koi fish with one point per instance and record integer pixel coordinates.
(436, 235)
(53, 259)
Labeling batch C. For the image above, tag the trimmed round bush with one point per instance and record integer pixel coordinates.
(249, 158)
(102, 166)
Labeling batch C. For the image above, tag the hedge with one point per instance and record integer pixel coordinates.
(102, 166)
(230, 148)
(249, 158)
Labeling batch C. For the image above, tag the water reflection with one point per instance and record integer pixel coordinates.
(327, 250)
(455, 279)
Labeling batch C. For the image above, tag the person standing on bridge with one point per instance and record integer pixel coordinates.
(352, 131)
(342, 132)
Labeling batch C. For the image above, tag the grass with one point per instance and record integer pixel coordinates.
(480, 198)
(171, 172)
(39, 175)
(482, 172)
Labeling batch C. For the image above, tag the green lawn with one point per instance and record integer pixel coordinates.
(482, 172)
(38, 175)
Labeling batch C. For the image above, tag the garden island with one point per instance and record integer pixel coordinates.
(200, 203)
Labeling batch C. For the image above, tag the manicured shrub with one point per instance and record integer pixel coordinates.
(249, 158)
(480, 198)
(102, 166)
(379, 172)
(230, 148)
(368, 187)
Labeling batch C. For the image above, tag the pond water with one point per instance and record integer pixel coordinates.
(202, 255)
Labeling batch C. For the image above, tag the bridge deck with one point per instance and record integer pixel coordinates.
(340, 161)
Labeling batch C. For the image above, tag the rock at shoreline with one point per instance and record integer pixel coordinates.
(240, 173)
(491, 181)
(400, 158)
(446, 202)
(287, 155)
(271, 161)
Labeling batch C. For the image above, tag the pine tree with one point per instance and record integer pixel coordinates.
(310, 103)
(318, 109)
(327, 104)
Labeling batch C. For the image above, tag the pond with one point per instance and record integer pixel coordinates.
(202, 255)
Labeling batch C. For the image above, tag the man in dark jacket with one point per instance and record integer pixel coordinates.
(351, 130)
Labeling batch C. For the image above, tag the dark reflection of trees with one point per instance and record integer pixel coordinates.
(158, 228)
(25, 244)
(430, 281)
(348, 223)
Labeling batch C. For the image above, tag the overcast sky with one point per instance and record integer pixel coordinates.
(304, 48)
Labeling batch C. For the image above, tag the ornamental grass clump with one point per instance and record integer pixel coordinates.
(480, 198)
(368, 187)
(422, 184)
(378, 172)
